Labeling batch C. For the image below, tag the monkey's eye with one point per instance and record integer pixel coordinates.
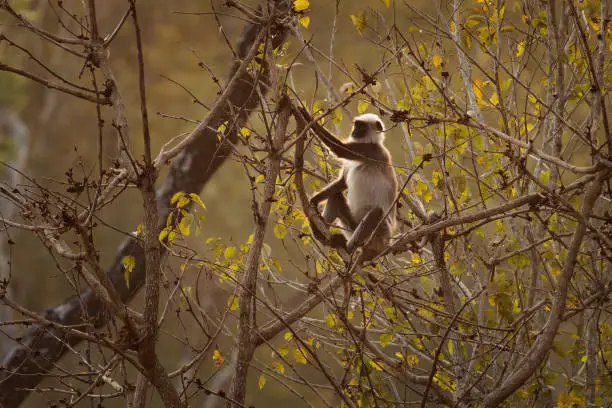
(379, 126)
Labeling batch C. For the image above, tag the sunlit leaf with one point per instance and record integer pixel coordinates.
(129, 262)
(280, 230)
(377, 365)
(232, 302)
(544, 176)
(278, 367)
(300, 5)
(229, 252)
(305, 21)
(385, 339)
(245, 132)
(298, 355)
(520, 48)
(436, 60)
(184, 226)
(218, 358)
(330, 320)
(359, 21)
(387, 3)
(261, 381)
(362, 106)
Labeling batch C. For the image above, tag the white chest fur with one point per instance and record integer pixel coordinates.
(368, 187)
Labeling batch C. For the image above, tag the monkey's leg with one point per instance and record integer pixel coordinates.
(336, 207)
(365, 228)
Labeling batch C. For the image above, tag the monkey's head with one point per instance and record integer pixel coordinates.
(368, 128)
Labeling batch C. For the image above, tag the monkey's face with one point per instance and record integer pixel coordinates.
(368, 128)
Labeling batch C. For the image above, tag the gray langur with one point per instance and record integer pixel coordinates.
(368, 176)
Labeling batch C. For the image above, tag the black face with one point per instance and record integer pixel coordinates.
(360, 129)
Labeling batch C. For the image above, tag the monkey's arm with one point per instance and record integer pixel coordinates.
(348, 151)
(336, 206)
(334, 188)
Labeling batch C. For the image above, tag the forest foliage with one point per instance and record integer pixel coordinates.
(495, 291)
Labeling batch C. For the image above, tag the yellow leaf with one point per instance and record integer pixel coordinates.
(298, 355)
(300, 5)
(262, 381)
(544, 176)
(280, 230)
(278, 367)
(232, 302)
(415, 258)
(305, 21)
(330, 321)
(387, 3)
(359, 21)
(217, 358)
(283, 350)
(184, 226)
(477, 87)
(436, 178)
(336, 116)
(436, 60)
(378, 366)
(176, 197)
(183, 201)
(129, 262)
(362, 106)
(229, 252)
(494, 99)
(246, 132)
(196, 198)
(260, 178)
(520, 48)
(385, 339)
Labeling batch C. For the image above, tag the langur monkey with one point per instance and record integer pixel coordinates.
(369, 178)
